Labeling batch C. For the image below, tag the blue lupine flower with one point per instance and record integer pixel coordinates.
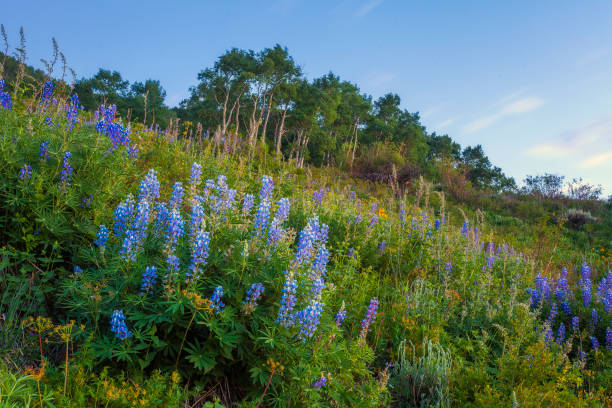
(561, 334)
(582, 355)
(448, 268)
(195, 176)
(123, 216)
(148, 189)
(173, 262)
(609, 338)
(437, 225)
(594, 343)
(575, 323)
(177, 196)
(563, 288)
(73, 111)
(101, 237)
(77, 270)
(465, 228)
(566, 307)
(318, 195)
(5, 97)
(141, 221)
(548, 336)
(161, 219)
(357, 219)
(252, 297)
(369, 318)
(267, 185)
(285, 316)
(262, 218)
(118, 325)
(199, 253)
(351, 252)
(374, 207)
(48, 121)
(44, 151)
(216, 302)
(319, 264)
(320, 382)
(86, 202)
(373, 221)
(247, 204)
(47, 94)
(594, 318)
(553, 313)
(25, 172)
(586, 295)
(174, 229)
(197, 215)
(149, 278)
(130, 246)
(306, 243)
(341, 315)
(66, 173)
(309, 319)
(381, 247)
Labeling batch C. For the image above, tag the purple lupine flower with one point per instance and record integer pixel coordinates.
(195, 175)
(25, 172)
(197, 216)
(320, 383)
(216, 302)
(609, 338)
(490, 261)
(373, 221)
(306, 242)
(149, 187)
(161, 218)
(44, 151)
(402, 214)
(5, 97)
(173, 262)
(437, 225)
(267, 185)
(141, 221)
(276, 230)
(252, 297)
(381, 247)
(594, 343)
(357, 219)
(77, 270)
(566, 307)
(309, 319)
(317, 196)
(66, 173)
(247, 204)
(199, 254)
(123, 216)
(286, 317)
(47, 94)
(465, 228)
(262, 218)
(374, 207)
(319, 265)
(548, 336)
(177, 196)
(102, 237)
(586, 295)
(72, 111)
(594, 318)
(175, 228)
(369, 318)
(575, 324)
(561, 333)
(341, 315)
(149, 278)
(130, 246)
(118, 325)
(553, 313)
(351, 253)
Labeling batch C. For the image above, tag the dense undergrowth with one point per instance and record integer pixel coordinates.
(139, 268)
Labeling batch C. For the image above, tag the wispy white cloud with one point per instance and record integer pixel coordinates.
(516, 107)
(367, 8)
(597, 160)
(583, 140)
(446, 123)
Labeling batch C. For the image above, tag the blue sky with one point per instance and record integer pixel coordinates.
(530, 81)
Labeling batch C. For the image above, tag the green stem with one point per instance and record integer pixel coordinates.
(183, 341)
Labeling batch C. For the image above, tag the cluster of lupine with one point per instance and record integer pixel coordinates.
(199, 254)
(381, 247)
(66, 173)
(25, 172)
(465, 229)
(5, 97)
(369, 318)
(195, 178)
(550, 293)
(262, 216)
(247, 204)
(72, 111)
(220, 197)
(118, 325)
(46, 96)
(44, 151)
(149, 278)
(116, 132)
(215, 301)
(48, 121)
(176, 199)
(253, 294)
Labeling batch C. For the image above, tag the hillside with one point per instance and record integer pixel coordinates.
(150, 266)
